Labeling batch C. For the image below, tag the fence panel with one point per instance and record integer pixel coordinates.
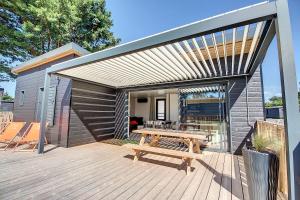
(5, 119)
(272, 130)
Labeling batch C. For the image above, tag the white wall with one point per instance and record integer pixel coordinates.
(174, 107)
(142, 109)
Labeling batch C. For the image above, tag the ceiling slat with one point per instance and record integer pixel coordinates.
(141, 66)
(172, 59)
(187, 46)
(191, 64)
(168, 64)
(233, 50)
(246, 29)
(201, 56)
(141, 61)
(171, 49)
(217, 52)
(225, 51)
(209, 55)
(253, 44)
(154, 63)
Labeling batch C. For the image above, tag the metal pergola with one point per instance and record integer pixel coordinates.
(229, 45)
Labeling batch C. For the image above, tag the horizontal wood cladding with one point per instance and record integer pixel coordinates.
(242, 120)
(92, 114)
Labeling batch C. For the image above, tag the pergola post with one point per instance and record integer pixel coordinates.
(44, 113)
(289, 94)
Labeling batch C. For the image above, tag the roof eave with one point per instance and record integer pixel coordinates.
(250, 14)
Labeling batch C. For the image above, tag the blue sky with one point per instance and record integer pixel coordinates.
(134, 19)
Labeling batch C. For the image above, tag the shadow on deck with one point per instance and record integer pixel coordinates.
(104, 171)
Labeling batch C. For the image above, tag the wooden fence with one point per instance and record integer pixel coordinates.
(5, 119)
(276, 131)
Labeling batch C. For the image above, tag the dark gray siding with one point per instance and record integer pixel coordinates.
(7, 106)
(241, 120)
(92, 114)
(121, 114)
(30, 81)
(58, 133)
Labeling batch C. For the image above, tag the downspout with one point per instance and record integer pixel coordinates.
(247, 104)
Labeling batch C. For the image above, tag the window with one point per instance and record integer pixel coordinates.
(22, 96)
(161, 109)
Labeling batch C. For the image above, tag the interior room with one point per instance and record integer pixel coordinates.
(196, 110)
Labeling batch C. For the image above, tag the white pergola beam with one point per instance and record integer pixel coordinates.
(209, 55)
(246, 29)
(217, 52)
(176, 55)
(190, 62)
(201, 56)
(225, 51)
(253, 44)
(187, 46)
(233, 50)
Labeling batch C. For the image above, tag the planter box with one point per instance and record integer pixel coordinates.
(262, 174)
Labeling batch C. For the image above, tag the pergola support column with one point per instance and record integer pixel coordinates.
(43, 118)
(289, 94)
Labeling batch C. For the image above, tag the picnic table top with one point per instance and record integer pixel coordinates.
(173, 133)
(199, 124)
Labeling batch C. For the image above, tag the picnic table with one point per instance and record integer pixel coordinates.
(211, 128)
(191, 140)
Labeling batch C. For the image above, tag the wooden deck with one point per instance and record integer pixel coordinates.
(104, 171)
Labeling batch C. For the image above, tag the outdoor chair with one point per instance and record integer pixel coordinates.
(31, 136)
(158, 124)
(11, 132)
(149, 124)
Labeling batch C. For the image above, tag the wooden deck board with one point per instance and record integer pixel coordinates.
(104, 171)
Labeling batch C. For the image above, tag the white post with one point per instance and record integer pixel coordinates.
(290, 96)
(44, 113)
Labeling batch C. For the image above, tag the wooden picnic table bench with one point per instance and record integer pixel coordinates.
(191, 140)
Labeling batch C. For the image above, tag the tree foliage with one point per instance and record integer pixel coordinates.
(32, 27)
(274, 101)
(7, 97)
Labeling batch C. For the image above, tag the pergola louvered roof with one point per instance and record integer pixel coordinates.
(203, 89)
(218, 47)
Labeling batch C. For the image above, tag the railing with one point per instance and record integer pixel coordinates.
(5, 119)
(276, 131)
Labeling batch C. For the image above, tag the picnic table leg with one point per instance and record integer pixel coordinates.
(137, 152)
(188, 165)
(154, 140)
(136, 156)
(142, 141)
(191, 146)
(196, 146)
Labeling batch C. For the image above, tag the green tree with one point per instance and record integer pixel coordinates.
(6, 97)
(274, 101)
(13, 47)
(32, 27)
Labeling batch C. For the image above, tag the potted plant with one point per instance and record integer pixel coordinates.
(262, 166)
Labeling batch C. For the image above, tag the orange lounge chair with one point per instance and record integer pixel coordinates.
(11, 131)
(31, 135)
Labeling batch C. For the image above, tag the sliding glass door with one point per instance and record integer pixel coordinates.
(203, 111)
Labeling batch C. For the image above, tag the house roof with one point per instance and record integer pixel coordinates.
(226, 45)
(68, 49)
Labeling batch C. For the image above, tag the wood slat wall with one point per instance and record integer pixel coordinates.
(121, 131)
(241, 125)
(276, 131)
(92, 114)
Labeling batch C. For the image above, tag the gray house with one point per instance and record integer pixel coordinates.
(148, 78)
(30, 88)
(203, 82)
